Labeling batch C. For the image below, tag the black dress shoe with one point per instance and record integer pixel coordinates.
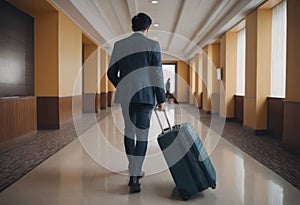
(139, 177)
(135, 186)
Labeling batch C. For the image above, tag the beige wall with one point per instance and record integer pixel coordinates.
(192, 80)
(215, 95)
(110, 86)
(46, 71)
(182, 82)
(57, 49)
(57, 55)
(103, 68)
(91, 68)
(291, 132)
(293, 45)
(91, 65)
(263, 66)
(192, 99)
(198, 78)
(258, 65)
(250, 71)
(200, 71)
(223, 103)
(228, 59)
(204, 81)
(207, 78)
(70, 55)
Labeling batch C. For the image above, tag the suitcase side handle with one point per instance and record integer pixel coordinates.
(160, 124)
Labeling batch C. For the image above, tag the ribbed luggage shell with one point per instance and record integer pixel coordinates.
(187, 159)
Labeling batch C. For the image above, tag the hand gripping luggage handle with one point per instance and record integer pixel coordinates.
(160, 124)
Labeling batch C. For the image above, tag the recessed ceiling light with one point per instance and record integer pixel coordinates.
(154, 2)
(156, 25)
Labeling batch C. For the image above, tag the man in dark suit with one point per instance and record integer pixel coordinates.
(135, 69)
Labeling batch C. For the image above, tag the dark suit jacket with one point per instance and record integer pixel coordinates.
(135, 70)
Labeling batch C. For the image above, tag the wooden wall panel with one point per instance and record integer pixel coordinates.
(109, 98)
(239, 108)
(17, 117)
(89, 102)
(103, 100)
(98, 103)
(275, 117)
(200, 100)
(48, 112)
(291, 131)
(52, 112)
(65, 109)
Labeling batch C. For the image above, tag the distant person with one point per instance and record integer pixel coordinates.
(135, 69)
(169, 96)
(168, 85)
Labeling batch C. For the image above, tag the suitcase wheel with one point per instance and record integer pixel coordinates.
(184, 194)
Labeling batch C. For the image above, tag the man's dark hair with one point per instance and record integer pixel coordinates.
(140, 22)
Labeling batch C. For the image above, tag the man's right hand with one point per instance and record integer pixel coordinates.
(160, 106)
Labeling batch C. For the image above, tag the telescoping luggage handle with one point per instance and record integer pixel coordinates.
(165, 114)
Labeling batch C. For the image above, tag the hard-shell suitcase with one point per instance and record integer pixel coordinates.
(189, 164)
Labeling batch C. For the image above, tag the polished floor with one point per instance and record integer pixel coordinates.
(92, 170)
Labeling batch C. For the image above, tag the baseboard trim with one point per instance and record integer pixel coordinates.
(255, 132)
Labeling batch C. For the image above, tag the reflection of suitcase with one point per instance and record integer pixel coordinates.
(187, 159)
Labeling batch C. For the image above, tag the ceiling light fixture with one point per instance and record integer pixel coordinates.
(154, 2)
(156, 25)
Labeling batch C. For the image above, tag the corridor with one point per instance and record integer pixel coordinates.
(72, 176)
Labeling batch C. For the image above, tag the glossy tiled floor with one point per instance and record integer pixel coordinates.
(71, 176)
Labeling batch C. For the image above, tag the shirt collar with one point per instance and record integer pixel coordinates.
(141, 32)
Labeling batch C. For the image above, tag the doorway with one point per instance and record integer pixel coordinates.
(169, 71)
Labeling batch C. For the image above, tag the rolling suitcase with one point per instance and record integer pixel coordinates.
(187, 159)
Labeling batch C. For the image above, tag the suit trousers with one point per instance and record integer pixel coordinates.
(137, 122)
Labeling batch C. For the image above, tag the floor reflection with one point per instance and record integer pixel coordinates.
(71, 176)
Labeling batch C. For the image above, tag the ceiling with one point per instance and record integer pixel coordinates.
(184, 25)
